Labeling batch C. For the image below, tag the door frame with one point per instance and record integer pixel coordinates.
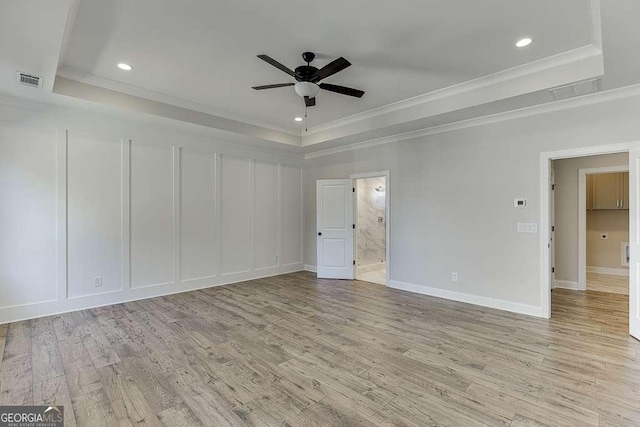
(387, 208)
(582, 217)
(545, 213)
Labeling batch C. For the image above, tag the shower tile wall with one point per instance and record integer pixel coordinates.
(371, 232)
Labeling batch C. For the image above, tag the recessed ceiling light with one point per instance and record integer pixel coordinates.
(298, 119)
(125, 66)
(524, 42)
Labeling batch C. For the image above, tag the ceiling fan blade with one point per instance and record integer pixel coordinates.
(330, 69)
(309, 102)
(273, 86)
(343, 90)
(276, 64)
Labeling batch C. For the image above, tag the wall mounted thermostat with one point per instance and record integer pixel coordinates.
(519, 203)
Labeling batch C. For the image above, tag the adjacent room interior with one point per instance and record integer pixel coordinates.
(608, 232)
(591, 225)
(371, 230)
(288, 213)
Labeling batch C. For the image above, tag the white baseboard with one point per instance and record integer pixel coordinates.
(499, 304)
(49, 308)
(608, 270)
(566, 284)
(311, 268)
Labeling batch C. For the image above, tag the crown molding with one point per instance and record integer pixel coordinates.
(565, 104)
(543, 64)
(102, 82)
(579, 54)
(124, 101)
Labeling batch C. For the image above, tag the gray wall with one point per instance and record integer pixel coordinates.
(566, 204)
(451, 197)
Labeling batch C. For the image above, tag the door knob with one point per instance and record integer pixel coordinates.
(319, 234)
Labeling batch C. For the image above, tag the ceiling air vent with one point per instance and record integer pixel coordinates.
(576, 89)
(29, 79)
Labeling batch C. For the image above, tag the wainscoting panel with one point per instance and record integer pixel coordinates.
(291, 229)
(94, 212)
(152, 215)
(266, 188)
(28, 191)
(235, 214)
(110, 210)
(197, 214)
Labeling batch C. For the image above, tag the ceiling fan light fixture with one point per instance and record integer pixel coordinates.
(298, 119)
(524, 42)
(307, 89)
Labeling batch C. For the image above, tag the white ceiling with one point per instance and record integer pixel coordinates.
(196, 64)
(202, 53)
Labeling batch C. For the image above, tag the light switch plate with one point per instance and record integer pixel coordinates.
(527, 227)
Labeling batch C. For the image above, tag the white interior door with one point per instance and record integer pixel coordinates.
(552, 229)
(335, 229)
(634, 242)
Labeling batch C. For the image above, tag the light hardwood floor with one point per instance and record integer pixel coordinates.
(294, 350)
(608, 283)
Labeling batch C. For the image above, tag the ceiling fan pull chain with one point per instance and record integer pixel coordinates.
(306, 119)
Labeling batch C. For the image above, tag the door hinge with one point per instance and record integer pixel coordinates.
(354, 262)
(553, 228)
(353, 189)
(354, 226)
(553, 269)
(553, 186)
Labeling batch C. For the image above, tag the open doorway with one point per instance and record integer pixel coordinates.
(601, 207)
(371, 228)
(591, 223)
(605, 230)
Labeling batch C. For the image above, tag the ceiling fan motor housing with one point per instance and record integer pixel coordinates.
(305, 73)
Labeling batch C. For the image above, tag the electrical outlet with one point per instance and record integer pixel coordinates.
(454, 277)
(97, 281)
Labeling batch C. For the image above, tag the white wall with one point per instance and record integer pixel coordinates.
(451, 200)
(566, 208)
(150, 211)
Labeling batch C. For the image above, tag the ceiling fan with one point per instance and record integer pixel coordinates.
(308, 78)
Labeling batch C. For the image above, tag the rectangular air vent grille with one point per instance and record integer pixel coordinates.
(29, 79)
(575, 89)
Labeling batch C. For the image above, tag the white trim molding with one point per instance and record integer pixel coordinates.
(545, 191)
(566, 284)
(47, 308)
(608, 270)
(534, 110)
(310, 268)
(514, 307)
(556, 70)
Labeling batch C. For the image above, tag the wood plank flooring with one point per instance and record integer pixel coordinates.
(608, 283)
(294, 350)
